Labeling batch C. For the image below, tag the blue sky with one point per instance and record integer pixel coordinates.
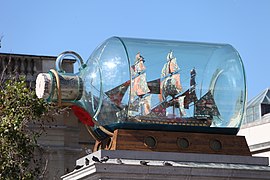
(50, 27)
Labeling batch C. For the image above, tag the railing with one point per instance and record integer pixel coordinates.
(17, 66)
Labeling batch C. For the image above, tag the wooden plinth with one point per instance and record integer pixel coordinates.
(186, 142)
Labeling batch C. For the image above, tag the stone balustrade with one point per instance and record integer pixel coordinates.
(18, 65)
(28, 65)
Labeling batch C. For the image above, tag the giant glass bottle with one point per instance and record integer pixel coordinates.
(163, 85)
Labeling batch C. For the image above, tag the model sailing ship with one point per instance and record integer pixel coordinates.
(171, 96)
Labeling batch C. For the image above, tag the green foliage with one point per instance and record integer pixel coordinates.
(20, 110)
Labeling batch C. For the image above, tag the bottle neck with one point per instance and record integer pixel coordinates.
(49, 84)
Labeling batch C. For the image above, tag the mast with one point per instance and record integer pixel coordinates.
(192, 90)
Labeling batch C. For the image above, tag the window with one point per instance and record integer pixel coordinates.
(265, 109)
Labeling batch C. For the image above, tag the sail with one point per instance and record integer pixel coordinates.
(171, 84)
(159, 110)
(178, 101)
(181, 100)
(116, 94)
(190, 96)
(206, 106)
(134, 106)
(187, 99)
(139, 82)
(154, 86)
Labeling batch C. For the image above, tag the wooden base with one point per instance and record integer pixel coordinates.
(186, 142)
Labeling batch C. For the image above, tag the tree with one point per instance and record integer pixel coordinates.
(20, 109)
(1, 37)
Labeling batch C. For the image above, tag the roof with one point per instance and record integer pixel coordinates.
(71, 60)
(262, 98)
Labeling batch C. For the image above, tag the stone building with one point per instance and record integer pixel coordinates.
(66, 139)
(256, 125)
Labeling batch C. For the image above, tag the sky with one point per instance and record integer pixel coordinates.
(51, 27)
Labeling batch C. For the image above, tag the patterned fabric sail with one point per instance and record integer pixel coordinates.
(116, 94)
(139, 86)
(171, 84)
(139, 82)
(206, 106)
(190, 95)
(159, 110)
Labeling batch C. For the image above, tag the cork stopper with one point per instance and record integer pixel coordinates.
(71, 87)
(43, 85)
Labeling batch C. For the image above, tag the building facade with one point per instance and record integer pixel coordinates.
(66, 139)
(256, 125)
